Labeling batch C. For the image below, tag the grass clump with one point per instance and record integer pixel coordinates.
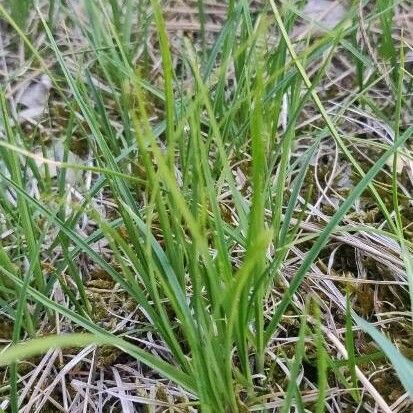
(199, 226)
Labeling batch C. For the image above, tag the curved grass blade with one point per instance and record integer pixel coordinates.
(402, 365)
(150, 360)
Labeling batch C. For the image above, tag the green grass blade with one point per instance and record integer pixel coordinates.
(402, 365)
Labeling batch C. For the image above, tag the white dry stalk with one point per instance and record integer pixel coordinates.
(277, 400)
(89, 382)
(61, 375)
(372, 51)
(324, 190)
(121, 395)
(79, 387)
(127, 405)
(37, 388)
(342, 350)
(360, 375)
(400, 403)
(29, 384)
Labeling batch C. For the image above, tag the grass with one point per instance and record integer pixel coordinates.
(227, 210)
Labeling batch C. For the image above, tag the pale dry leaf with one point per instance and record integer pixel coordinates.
(36, 94)
(320, 16)
(4, 404)
(31, 114)
(55, 154)
(401, 163)
(34, 98)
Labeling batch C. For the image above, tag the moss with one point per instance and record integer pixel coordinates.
(6, 329)
(363, 301)
(388, 384)
(106, 356)
(79, 145)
